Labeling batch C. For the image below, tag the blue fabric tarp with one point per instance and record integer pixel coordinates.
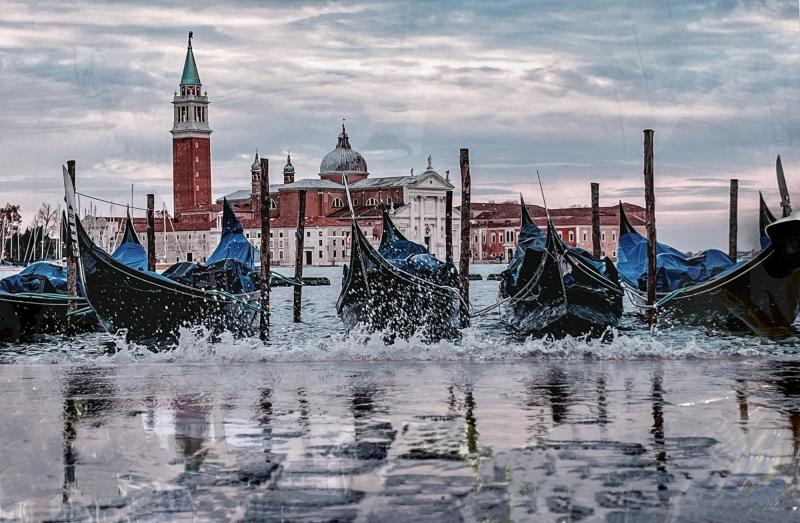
(414, 258)
(130, 252)
(41, 276)
(674, 269)
(232, 244)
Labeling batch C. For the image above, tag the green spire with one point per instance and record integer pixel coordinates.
(190, 76)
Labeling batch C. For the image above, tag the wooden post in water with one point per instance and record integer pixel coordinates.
(596, 249)
(151, 232)
(466, 183)
(298, 259)
(448, 225)
(733, 225)
(650, 220)
(265, 266)
(72, 259)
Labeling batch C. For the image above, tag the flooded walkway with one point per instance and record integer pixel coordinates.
(382, 441)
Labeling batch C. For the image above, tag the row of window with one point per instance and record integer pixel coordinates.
(338, 203)
(508, 236)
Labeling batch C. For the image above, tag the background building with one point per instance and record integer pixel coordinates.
(416, 203)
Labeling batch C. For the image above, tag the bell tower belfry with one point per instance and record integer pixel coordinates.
(191, 141)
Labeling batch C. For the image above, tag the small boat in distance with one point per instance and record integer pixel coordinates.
(550, 288)
(400, 289)
(151, 308)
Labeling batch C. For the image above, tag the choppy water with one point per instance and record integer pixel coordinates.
(683, 424)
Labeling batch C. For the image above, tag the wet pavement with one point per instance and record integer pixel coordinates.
(385, 441)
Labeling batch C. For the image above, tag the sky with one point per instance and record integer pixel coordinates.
(524, 85)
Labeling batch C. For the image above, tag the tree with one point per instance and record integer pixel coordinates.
(47, 217)
(10, 219)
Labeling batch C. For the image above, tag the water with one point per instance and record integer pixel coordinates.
(683, 424)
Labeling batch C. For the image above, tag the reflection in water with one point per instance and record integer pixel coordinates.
(304, 409)
(470, 423)
(657, 430)
(601, 450)
(741, 400)
(557, 391)
(602, 402)
(87, 393)
(265, 420)
(192, 428)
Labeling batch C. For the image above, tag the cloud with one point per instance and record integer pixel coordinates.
(549, 87)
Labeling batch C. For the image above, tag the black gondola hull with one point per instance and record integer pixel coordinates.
(760, 296)
(152, 310)
(22, 316)
(382, 298)
(545, 305)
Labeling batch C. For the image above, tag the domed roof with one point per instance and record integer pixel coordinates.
(288, 168)
(343, 158)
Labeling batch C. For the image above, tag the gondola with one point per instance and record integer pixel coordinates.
(35, 301)
(399, 289)
(759, 295)
(552, 289)
(151, 308)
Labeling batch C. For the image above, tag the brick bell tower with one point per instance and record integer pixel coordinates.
(191, 143)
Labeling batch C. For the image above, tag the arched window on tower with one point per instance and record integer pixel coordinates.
(337, 203)
(372, 201)
(272, 204)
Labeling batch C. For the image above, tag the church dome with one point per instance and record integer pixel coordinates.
(288, 168)
(343, 158)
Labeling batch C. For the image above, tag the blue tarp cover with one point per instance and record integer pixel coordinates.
(39, 277)
(232, 244)
(413, 258)
(130, 251)
(674, 269)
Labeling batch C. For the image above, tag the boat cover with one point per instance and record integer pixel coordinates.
(674, 269)
(39, 277)
(130, 251)
(232, 244)
(414, 258)
(765, 217)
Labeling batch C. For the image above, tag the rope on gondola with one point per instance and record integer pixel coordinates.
(519, 296)
(685, 292)
(111, 202)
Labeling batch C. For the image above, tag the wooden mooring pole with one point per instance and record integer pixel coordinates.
(265, 267)
(650, 221)
(596, 249)
(466, 184)
(448, 225)
(151, 232)
(72, 259)
(733, 225)
(298, 259)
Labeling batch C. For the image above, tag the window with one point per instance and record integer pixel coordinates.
(602, 254)
(247, 235)
(280, 255)
(320, 233)
(571, 236)
(494, 238)
(320, 254)
(272, 204)
(280, 234)
(372, 201)
(613, 254)
(308, 234)
(613, 236)
(270, 234)
(603, 237)
(337, 203)
(342, 253)
(320, 243)
(334, 242)
(584, 237)
(355, 202)
(389, 200)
